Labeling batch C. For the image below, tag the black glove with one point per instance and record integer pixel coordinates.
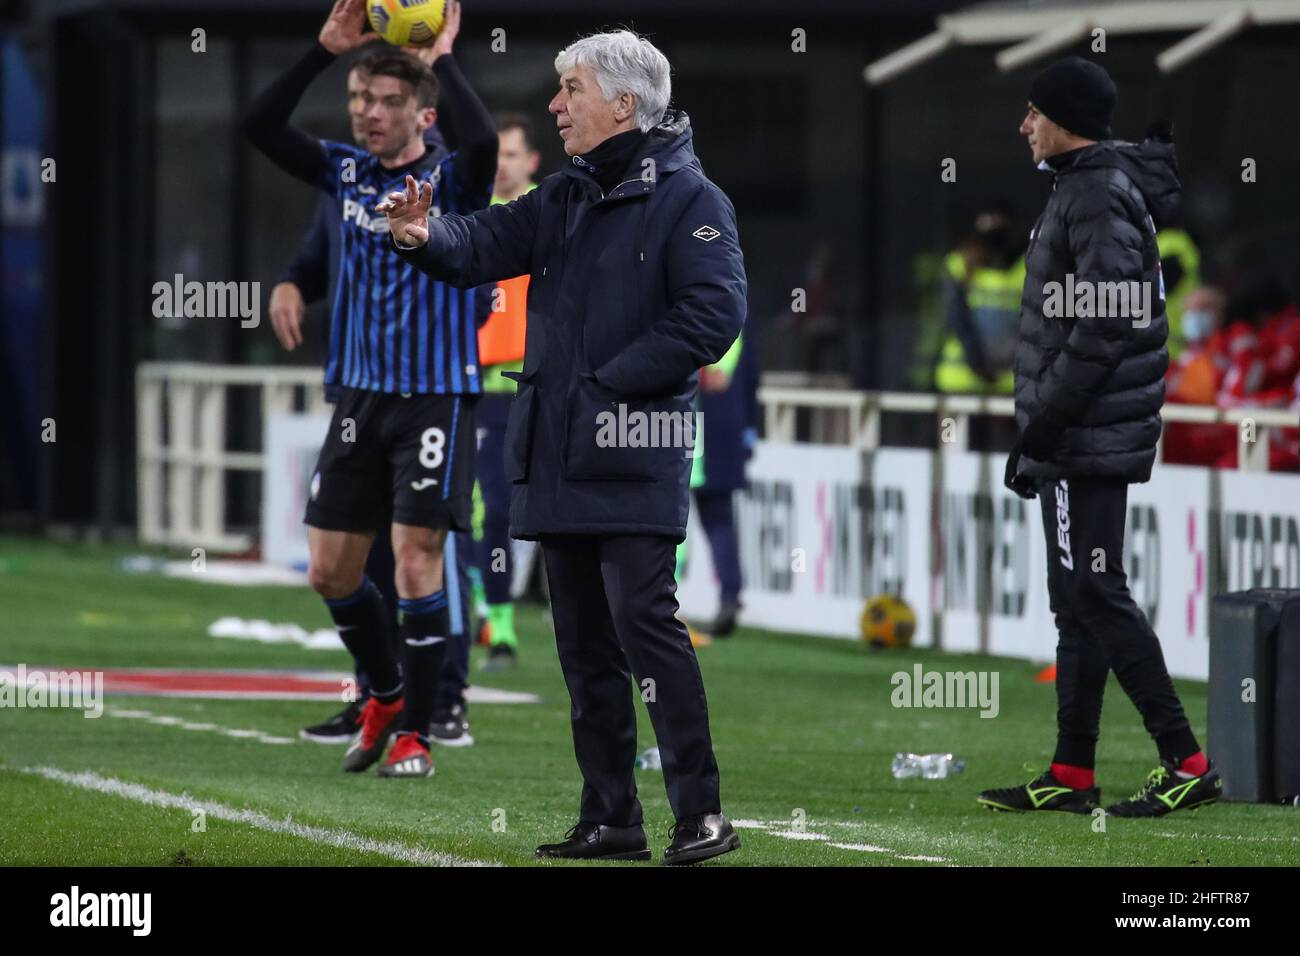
(1040, 438)
(1022, 485)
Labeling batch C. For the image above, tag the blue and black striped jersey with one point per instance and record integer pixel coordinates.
(394, 328)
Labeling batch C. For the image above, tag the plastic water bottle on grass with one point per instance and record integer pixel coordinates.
(925, 766)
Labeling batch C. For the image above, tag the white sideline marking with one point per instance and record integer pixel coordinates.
(1228, 836)
(239, 573)
(491, 695)
(799, 835)
(164, 720)
(341, 839)
(781, 828)
(861, 847)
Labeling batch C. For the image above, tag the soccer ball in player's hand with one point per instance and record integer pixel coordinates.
(407, 22)
(888, 621)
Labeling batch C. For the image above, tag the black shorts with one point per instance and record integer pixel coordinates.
(389, 458)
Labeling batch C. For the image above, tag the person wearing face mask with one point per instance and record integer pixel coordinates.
(1199, 322)
(1195, 377)
(1180, 271)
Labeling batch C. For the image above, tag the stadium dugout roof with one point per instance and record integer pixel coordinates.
(1038, 28)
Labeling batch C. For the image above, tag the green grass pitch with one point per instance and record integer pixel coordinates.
(803, 727)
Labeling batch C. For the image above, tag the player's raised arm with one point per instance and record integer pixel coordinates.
(465, 121)
(489, 245)
(266, 124)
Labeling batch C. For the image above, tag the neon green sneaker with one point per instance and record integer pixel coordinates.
(1167, 790)
(1044, 792)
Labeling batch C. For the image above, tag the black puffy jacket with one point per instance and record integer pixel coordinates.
(1090, 363)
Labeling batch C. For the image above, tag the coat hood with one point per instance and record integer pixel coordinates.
(669, 143)
(1151, 165)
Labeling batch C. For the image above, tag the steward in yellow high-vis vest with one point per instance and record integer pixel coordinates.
(983, 315)
(1180, 269)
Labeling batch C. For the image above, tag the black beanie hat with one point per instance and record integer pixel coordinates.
(1076, 94)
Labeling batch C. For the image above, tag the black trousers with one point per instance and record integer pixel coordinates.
(614, 601)
(1100, 627)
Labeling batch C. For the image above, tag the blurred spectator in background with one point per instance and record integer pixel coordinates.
(982, 283)
(1247, 339)
(1240, 351)
(501, 350)
(1194, 378)
(1264, 361)
(728, 432)
(985, 276)
(1180, 270)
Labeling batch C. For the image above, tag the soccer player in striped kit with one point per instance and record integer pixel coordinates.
(404, 351)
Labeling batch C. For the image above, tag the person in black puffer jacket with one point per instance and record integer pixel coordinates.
(1090, 366)
(1089, 387)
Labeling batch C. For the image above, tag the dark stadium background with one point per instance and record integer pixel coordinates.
(836, 185)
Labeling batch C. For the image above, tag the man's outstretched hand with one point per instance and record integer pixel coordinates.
(345, 28)
(408, 212)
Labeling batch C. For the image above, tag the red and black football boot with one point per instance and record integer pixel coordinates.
(408, 758)
(378, 721)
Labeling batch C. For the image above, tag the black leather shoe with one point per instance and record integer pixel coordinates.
(593, 841)
(700, 838)
(725, 623)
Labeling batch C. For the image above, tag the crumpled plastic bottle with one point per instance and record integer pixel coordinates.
(926, 766)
